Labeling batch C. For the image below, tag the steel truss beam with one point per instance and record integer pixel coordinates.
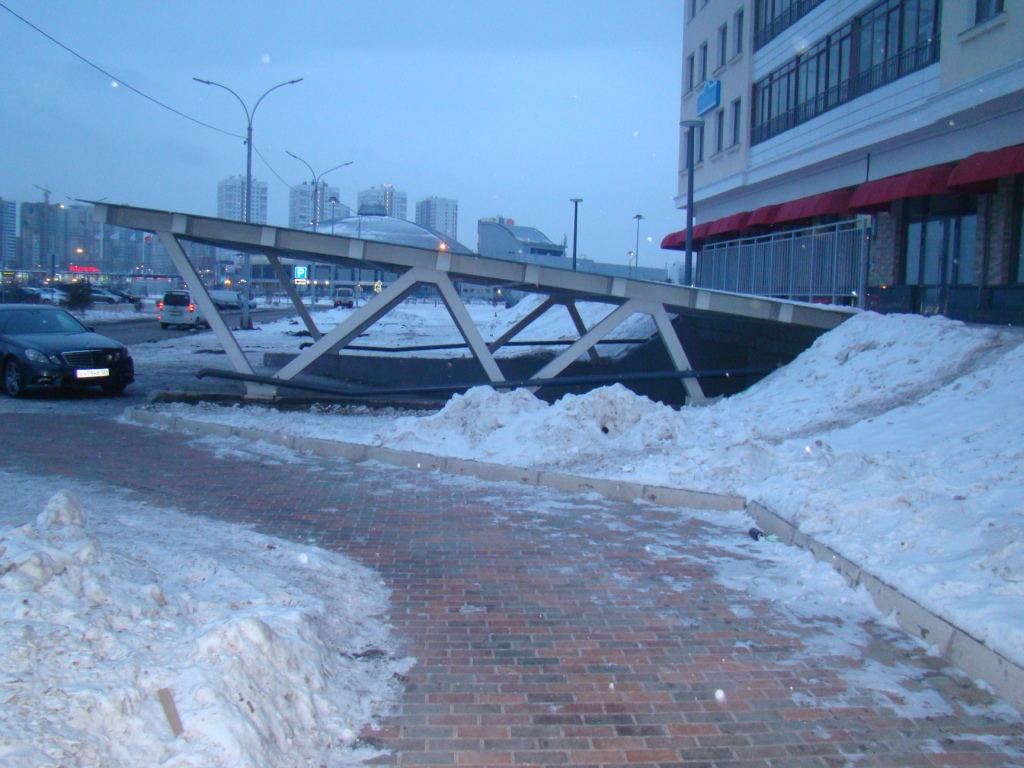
(424, 265)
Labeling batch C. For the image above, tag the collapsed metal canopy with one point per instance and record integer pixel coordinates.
(440, 267)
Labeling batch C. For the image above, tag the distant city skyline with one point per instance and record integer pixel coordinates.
(542, 102)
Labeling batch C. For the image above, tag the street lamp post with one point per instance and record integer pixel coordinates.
(575, 220)
(316, 180)
(316, 185)
(690, 126)
(249, 116)
(636, 262)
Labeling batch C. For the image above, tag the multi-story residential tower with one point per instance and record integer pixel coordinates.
(8, 234)
(41, 241)
(900, 122)
(386, 197)
(306, 206)
(440, 214)
(231, 200)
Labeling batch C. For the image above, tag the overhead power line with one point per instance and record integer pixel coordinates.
(146, 96)
(115, 78)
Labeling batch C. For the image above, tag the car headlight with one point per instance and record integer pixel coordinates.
(41, 357)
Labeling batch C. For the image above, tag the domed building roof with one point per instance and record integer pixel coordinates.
(387, 229)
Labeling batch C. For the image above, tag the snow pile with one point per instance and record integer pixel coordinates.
(269, 652)
(895, 440)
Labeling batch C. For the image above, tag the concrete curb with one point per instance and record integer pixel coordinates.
(955, 644)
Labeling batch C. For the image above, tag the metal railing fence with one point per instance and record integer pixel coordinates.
(822, 263)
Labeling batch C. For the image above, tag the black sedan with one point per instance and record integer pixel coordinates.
(44, 347)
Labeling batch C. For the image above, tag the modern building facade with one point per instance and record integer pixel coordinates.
(41, 242)
(231, 199)
(8, 234)
(500, 238)
(309, 208)
(895, 125)
(440, 214)
(385, 200)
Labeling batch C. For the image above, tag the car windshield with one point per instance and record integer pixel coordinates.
(42, 321)
(177, 300)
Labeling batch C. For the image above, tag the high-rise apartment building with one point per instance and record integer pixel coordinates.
(8, 234)
(440, 214)
(231, 200)
(900, 122)
(41, 242)
(306, 207)
(384, 198)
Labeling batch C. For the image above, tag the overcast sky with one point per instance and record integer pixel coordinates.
(510, 107)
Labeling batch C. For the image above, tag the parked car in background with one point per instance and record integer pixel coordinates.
(344, 297)
(20, 294)
(125, 296)
(53, 296)
(47, 348)
(103, 296)
(226, 299)
(178, 307)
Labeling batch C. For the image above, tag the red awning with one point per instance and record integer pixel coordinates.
(876, 195)
(735, 223)
(987, 167)
(763, 217)
(836, 201)
(677, 240)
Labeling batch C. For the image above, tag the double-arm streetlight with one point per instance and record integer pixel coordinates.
(249, 115)
(575, 220)
(691, 127)
(316, 181)
(638, 218)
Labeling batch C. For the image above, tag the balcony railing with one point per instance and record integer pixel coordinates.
(780, 23)
(904, 63)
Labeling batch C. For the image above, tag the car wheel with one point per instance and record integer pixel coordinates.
(165, 326)
(14, 378)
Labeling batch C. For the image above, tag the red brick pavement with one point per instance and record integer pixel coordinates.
(545, 636)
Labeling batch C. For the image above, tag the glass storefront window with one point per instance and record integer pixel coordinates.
(940, 240)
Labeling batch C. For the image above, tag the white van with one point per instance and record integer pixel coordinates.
(179, 308)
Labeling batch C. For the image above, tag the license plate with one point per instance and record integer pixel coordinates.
(92, 373)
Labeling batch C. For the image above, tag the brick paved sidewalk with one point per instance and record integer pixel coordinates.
(548, 630)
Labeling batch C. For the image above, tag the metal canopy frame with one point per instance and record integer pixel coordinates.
(441, 268)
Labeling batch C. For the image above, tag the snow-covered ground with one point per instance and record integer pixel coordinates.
(895, 440)
(271, 653)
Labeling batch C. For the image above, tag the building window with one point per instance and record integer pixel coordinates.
(719, 130)
(773, 17)
(940, 240)
(737, 32)
(693, 8)
(736, 125)
(723, 44)
(703, 62)
(690, 73)
(986, 9)
(890, 40)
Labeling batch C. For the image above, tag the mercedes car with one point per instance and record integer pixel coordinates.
(44, 347)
